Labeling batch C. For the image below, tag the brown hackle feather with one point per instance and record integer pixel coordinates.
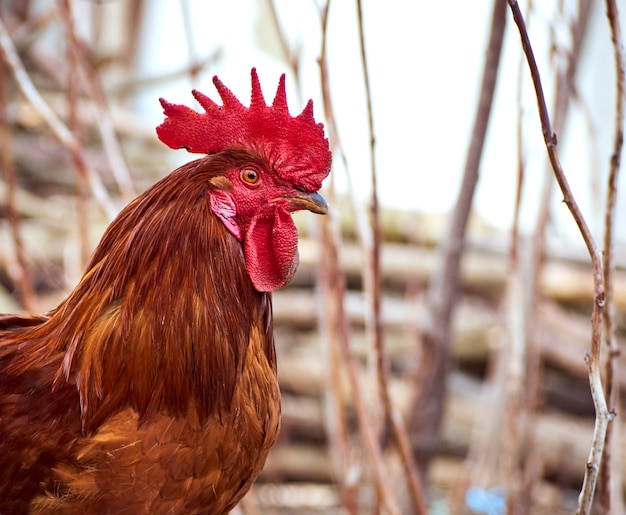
(152, 388)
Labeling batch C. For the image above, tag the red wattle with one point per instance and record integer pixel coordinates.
(271, 248)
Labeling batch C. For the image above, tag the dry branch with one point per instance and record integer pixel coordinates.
(333, 320)
(24, 279)
(80, 173)
(603, 416)
(609, 496)
(373, 274)
(83, 58)
(60, 130)
(334, 284)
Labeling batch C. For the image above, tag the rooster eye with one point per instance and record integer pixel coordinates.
(250, 176)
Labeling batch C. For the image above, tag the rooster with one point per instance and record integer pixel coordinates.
(152, 387)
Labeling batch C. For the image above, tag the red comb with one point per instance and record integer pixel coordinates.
(296, 145)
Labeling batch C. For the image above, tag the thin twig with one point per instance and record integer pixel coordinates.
(334, 282)
(371, 241)
(603, 416)
(611, 389)
(333, 316)
(30, 29)
(382, 361)
(23, 279)
(292, 58)
(106, 126)
(102, 114)
(129, 85)
(333, 135)
(565, 89)
(517, 343)
(190, 42)
(336, 328)
(329, 112)
(73, 106)
(60, 130)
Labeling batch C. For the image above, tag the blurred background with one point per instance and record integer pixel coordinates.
(463, 350)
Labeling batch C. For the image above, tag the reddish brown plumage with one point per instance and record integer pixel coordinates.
(152, 388)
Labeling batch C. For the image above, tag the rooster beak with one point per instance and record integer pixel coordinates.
(313, 202)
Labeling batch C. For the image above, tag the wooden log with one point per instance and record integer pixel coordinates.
(301, 496)
(299, 462)
(564, 335)
(560, 279)
(563, 439)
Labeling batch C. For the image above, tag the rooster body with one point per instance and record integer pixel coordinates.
(152, 388)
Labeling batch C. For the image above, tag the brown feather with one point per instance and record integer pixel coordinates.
(152, 388)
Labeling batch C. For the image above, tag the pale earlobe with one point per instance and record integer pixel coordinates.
(224, 208)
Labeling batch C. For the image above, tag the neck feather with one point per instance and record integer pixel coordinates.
(162, 318)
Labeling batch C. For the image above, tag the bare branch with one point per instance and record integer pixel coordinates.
(612, 391)
(129, 85)
(194, 68)
(336, 327)
(23, 279)
(60, 130)
(333, 318)
(333, 281)
(102, 113)
(564, 90)
(292, 58)
(382, 361)
(82, 181)
(603, 416)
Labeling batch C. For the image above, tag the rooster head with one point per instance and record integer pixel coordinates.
(273, 164)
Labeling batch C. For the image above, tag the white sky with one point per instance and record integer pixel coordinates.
(425, 61)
